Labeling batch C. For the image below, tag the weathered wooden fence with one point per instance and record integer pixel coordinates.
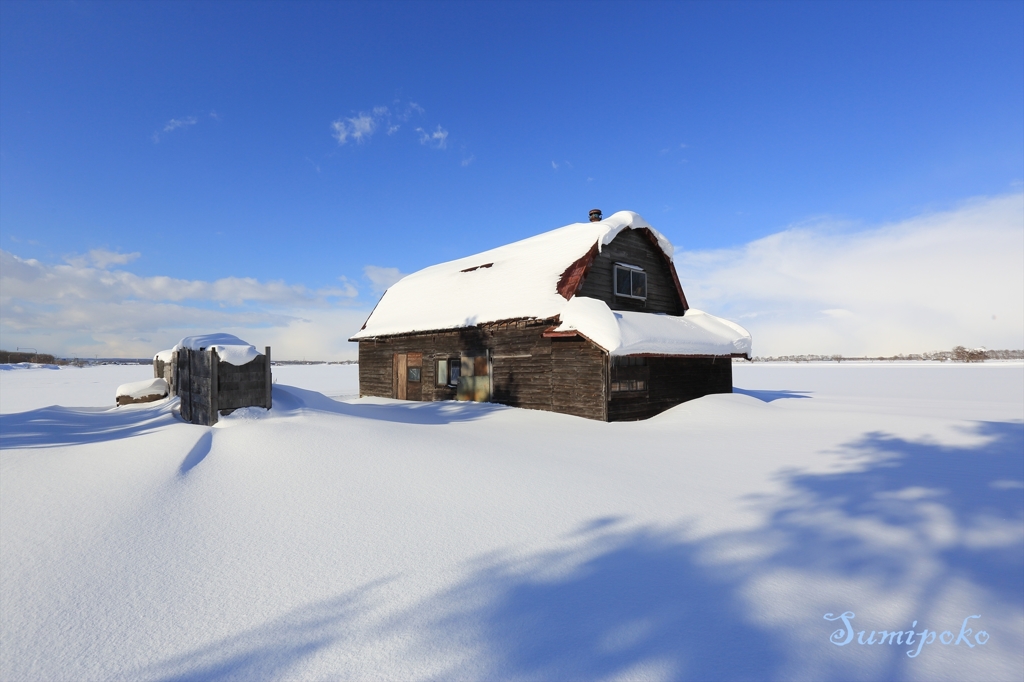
(165, 370)
(208, 387)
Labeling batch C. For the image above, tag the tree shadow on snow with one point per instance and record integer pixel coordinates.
(646, 602)
(270, 650)
(960, 505)
(57, 426)
(631, 603)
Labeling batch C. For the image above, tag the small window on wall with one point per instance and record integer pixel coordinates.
(630, 281)
(630, 374)
(626, 385)
(414, 373)
(448, 372)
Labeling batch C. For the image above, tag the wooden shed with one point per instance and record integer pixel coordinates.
(589, 319)
(215, 374)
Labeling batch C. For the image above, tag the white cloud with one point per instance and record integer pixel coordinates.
(101, 258)
(86, 308)
(176, 123)
(554, 166)
(468, 160)
(31, 280)
(362, 126)
(382, 278)
(928, 283)
(438, 139)
(359, 128)
(348, 289)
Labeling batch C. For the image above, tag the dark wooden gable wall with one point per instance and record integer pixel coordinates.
(636, 248)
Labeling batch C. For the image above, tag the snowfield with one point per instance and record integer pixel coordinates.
(730, 538)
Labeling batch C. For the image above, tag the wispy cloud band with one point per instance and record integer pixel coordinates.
(87, 304)
(361, 127)
(943, 279)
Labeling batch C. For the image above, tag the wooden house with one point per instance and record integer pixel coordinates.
(588, 319)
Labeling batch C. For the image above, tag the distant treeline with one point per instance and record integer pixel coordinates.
(314, 362)
(13, 357)
(958, 354)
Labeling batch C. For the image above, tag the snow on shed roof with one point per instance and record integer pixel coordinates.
(630, 333)
(516, 281)
(230, 348)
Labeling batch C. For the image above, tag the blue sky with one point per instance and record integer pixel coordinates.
(296, 144)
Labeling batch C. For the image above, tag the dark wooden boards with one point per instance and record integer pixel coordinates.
(671, 381)
(569, 375)
(208, 386)
(635, 248)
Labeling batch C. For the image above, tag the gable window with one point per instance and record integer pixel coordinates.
(630, 281)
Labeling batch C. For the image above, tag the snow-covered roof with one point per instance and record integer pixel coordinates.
(521, 281)
(629, 333)
(230, 349)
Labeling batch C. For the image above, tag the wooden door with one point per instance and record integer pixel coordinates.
(401, 385)
(414, 377)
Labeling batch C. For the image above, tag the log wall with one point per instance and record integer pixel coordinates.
(527, 369)
(567, 375)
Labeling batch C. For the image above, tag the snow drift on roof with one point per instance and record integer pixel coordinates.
(164, 356)
(629, 333)
(514, 281)
(230, 349)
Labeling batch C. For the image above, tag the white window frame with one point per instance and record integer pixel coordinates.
(630, 269)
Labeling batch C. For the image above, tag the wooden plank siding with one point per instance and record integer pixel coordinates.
(579, 378)
(527, 370)
(567, 375)
(165, 370)
(671, 381)
(635, 248)
(209, 387)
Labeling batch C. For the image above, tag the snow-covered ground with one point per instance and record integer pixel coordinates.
(337, 538)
